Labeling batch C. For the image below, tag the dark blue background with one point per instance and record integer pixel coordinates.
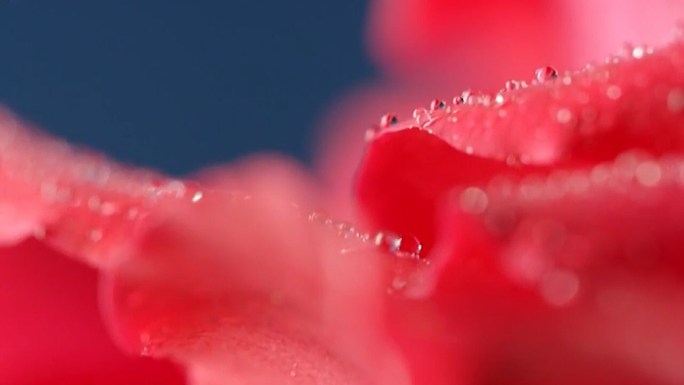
(177, 84)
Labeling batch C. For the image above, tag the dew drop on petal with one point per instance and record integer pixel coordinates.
(512, 85)
(437, 104)
(458, 100)
(675, 100)
(197, 196)
(421, 115)
(388, 120)
(401, 246)
(638, 52)
(545, 74)
(175, 188)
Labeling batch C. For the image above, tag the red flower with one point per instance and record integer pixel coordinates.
(529, 236)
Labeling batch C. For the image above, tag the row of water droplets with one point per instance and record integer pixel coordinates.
(424, 117)
(406, 249)
(438, 108)
(404, 246)
(127, 203)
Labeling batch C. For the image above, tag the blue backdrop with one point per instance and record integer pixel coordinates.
(177, 84)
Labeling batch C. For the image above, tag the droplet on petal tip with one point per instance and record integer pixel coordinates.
(437, 104)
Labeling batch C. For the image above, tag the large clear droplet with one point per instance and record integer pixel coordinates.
(437, 104)
(544, 74)
(401, 246)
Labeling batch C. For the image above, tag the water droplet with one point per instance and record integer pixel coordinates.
(458, 100)
(466, 97)
(648, 173)
(401, 246)
(544, 74)
(473, 200)
(499, 99)
(469, 150)
(675, 100)
(175, 188)
(197, 196)
(559, 287)
(421, 115)
(437, 104)
(388, 120)
(638, 52)
(613, 92)
(564, 116)
(512, 85)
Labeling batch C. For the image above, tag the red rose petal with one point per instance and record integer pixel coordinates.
(404, 176)
(585, 298)
(51, 330)
(554, 267)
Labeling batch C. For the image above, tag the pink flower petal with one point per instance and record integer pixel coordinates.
(243, 287)
(51, 330)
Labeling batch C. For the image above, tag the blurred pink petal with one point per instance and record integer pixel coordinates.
(492, 41)
(243, 287)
